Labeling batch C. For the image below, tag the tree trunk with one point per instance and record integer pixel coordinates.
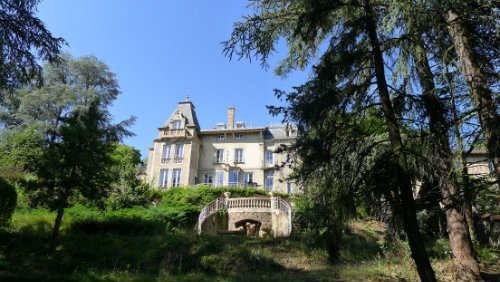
(57, 224)
(465, 174)
(410, 223)
(469, 217)
(461, 245)
(391, 215)
(481, 93)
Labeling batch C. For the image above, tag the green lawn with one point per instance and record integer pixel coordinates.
(135, 246)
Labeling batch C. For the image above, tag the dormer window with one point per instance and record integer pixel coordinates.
(220, 138)
(221, 125)
(239, 136)
(177, 124)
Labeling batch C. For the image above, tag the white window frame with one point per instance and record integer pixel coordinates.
(163, 180)
(269, 157)
(177, 124)
(238, 155)
(166, 151)
(208, 179)
(220, 137)
(232, 182)
(219, 156)
(179, 151)
(239, 136)
(219, 175)
(248, 177)
(176, 177)
(269, 180)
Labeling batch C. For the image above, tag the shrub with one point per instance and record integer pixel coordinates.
(136, 220)
(203, 195)
(439, 249)
(8, 200)
(140, 195)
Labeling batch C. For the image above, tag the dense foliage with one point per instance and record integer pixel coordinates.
(387, 57)
(20, 151)
(8, 202)
(23, 41)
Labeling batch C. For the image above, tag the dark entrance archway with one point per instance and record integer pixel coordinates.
(249, 226)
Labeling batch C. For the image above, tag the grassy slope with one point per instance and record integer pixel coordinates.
(160, 244)
(166, 253)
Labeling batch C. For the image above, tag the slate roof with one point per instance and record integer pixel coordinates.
(278, 133)
(187, 110)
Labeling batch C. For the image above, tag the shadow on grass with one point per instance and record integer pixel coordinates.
(356, 247)
(106, 256)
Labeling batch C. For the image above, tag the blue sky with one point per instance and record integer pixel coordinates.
(160, 50)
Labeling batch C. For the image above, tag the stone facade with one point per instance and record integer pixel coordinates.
(232, 155)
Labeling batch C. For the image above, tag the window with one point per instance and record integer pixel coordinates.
(220, 138)
(176, 178)
(239, 136)
(220, 178)
(289, 187)
(166, 152)
(163, 178)
(248, 177)
(208, 178)
(491, 166)
(269, 180)
(269, 157)
(458, 164)
(179, 151)
(238, 155)
(233, 178)
(177, 124)
(219, 156)
(288, 159)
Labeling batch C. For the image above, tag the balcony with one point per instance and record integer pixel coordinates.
(165, 160)
(230, 184)
(175, 133)
(218, 160)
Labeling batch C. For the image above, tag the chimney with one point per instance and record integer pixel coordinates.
(230, 117)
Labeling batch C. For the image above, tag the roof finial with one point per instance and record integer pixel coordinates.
(187, 95)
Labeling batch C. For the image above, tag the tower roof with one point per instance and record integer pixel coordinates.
(187, 110)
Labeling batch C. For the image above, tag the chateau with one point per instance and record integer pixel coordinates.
(228, 155)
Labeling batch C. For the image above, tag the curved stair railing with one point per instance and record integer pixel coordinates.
(284, 207)
(274, 203)
(208, 210)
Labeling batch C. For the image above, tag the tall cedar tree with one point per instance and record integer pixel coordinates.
(21, 35)
(467, 268)
(475, 64)
(458, 231)
(305, 24)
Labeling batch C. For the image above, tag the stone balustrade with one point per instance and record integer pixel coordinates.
(249, 206)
